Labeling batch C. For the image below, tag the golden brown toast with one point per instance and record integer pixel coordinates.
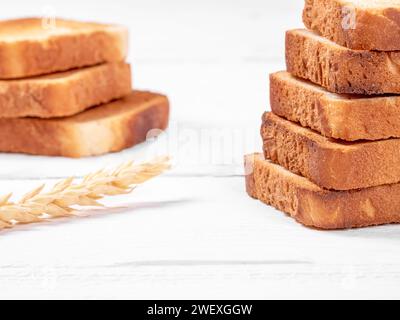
(107, 128)
(329, 163)
(339, 116)
(35, 46)
(316, 207)
(65, 93)
(339, 69)
(356, 24)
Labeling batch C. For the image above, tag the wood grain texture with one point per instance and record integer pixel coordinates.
(162, 247)
(193, 233)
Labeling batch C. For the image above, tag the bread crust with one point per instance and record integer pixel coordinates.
(315, 207)
(345, 117)
(107, 128)
(339, 69)
(373, 28)
(83, 44)
(331, 164)
(64, 94)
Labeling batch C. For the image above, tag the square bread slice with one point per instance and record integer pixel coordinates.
(329, 163)
(339, 69)
(65, 93)
(340, 116)
(315, 207)
(35, 46)
(356, 24)
(106, 128)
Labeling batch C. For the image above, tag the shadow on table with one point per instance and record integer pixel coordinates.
(100, 213)
(381, 232)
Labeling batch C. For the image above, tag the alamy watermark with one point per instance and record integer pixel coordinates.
(49, 21)
(349, 20)
(220, 147)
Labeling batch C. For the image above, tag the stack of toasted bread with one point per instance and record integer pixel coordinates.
(65, 90)
(332, 141)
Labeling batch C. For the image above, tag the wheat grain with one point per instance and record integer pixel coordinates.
(66, 198)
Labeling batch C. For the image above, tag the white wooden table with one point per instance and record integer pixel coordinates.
(193, 233)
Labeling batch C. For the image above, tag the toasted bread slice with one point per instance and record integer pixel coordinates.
(315, 207)
(35, 46)
(339, 69)
(356, 24)
(331, 164)
(339, 116)
(65, 93)
(106, 128)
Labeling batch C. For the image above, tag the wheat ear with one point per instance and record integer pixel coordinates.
(38, 206)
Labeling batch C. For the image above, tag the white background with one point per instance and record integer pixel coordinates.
(193, 233)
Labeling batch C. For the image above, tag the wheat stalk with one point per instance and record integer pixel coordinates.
(38, 206)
